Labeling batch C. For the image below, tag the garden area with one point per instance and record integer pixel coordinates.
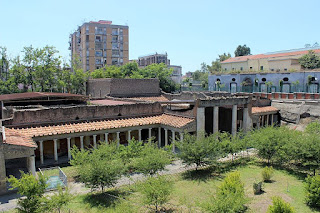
(282, 176)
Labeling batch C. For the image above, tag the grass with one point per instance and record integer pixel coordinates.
(192, 188)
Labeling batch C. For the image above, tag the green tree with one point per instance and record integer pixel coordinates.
(242, 51)
(129, 68)
(310, 60)
(57, 201)
(280, 206)
(230, 196)
(152, 159)
(32, 190)
(156, 191)
(216, 65)
(312, 188)
(4, 63)
(198, 150)
(309, 153)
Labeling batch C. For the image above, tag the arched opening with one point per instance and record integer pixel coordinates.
(247, 85)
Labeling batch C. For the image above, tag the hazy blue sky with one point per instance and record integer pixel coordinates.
(190, 32)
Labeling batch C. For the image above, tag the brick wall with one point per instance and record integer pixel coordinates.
(99, 88)
(79, 113)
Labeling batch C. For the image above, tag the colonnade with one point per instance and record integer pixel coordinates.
(265, 120)
(106, 139)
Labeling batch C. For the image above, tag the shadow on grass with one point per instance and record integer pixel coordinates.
(104, 199)
(216, 170)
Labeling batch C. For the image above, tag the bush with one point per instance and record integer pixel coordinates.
(257, 188)
(267, 174)
(313, 191)
(280, 206)
(230, 196)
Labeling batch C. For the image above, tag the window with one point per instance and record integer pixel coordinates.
(114, 46)
(115, 53)
(98, 61)
(285, 69)
(105, 54)
(263, 79)
(114, 61)
(232, 68)
(98, 46)
(99, 53)
(225, 69)
(286, 79)
(272, 69)
(98, 38)
(104, 38)
(250, 68)
(87, 52)
(87, 37)
(233, 79)
(218, 79)
(241, 68)
(87, 29)
(114, 38)
(261, 67)
(121, 31)
(115, 31)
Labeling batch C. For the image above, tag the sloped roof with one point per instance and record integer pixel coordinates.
(260, 56)
(14, 137)
(164, 119)
(257, 110)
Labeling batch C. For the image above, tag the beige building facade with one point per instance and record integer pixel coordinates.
(277, 62)
(101, 43)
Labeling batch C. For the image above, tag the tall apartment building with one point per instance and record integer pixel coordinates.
(157, 58)
(100, 43)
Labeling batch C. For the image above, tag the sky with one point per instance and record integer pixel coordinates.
(191, 32)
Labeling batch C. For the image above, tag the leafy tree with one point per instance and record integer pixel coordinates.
(152, 159)
(33, 190)
(310, 60)
(224, 57)
(4, 63)
(129, 68)
(57, 201)
(156, 191)
(242, 51)
(267, 173)
(280, 206)
(99, 169)
(216, 65)
(230, 196)
(309, 153)
(312, 188)
(198, 150)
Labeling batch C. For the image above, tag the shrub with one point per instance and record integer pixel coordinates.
(257, 188)
(230, 196)
(267, 173)
(313, 191)
(280, 206)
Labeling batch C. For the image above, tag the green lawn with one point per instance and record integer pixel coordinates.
(193, 188)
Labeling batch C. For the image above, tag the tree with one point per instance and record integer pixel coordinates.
(99, 169)
(198, 150)
(156, 191)
(230, 196)
(313, 128)
(280, 206)
(216, 65)
(152, 159)
(58, 200)
(310, 60)
(224, 57)
(312, 188)
(33, 190)
(4, 63)
(242, 51)
(309, 153)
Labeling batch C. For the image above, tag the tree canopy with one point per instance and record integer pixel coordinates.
(310, 60)
(242, 51)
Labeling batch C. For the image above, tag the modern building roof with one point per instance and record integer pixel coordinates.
(261, 56)
(38, 95)
(164, 119)
(258, 110)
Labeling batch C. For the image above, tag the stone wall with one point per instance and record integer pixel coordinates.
(99, 88)
(185, 95)
(81, 113)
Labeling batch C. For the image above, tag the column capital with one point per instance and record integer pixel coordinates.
(69, 138)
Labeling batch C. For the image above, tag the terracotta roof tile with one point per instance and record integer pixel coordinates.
(257, 110)
(151, 99)
(14, 137)
(165, 119)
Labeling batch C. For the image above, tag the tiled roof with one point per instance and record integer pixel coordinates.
(151, 99)
(165, 119)
(257, 110)
(260, 56)
(14, 137)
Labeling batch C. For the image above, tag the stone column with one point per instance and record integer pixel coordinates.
(165, 137)
(267, 120)
(150, 135)
(271, 119)
(32, 165)
(118, 138)
(106, 137)
(55, 147)
(245, 119)
(262, 120)
(129, 135)
(41, 151)
(181, 136)
(159, 136)
(234, 120)
(81, 142)
(215, 119)
(173, 140)
(94, 141)
(200, 120)
(140, 134)
(69, 147)
(3, 185)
